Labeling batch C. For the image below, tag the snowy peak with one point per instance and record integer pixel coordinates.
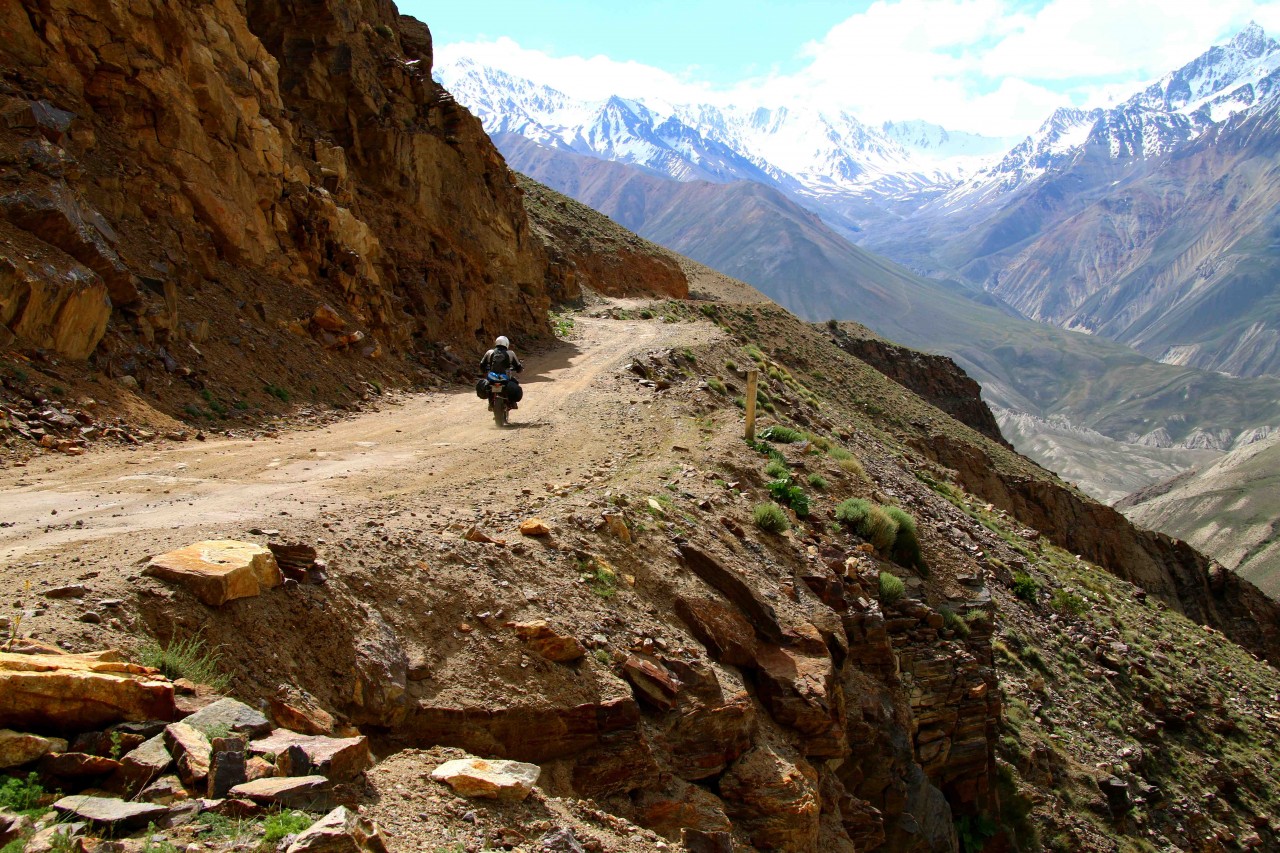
(794, 148)
(1224, 78)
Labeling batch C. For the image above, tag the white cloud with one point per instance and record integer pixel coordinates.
(588, 78)
(992, 66)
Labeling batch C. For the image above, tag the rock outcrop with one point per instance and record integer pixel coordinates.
(173, 163)
(934, 378)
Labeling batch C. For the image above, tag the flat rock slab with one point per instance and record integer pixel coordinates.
(509, 781)
(236, 716)
(79, 692)
(340, 831)
(219, 570)
(109, 810)
(338, 758)
(288, 791)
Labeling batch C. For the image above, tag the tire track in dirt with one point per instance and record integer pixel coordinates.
(429, 449)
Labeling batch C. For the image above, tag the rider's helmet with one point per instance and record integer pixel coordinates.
(502, 341)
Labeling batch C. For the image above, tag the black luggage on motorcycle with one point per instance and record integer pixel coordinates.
(514, 392)
(482, 388)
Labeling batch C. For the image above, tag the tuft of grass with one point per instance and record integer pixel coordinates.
(187, 659)
(781, 434)
(891, 588)
(601, 579)
(777, 468)
(285, 823)
(1068, 602)
(818, 482)
(869, 521)
(906, 545)
(602, 657)
(769, 517)
(716, 385)
(955, 622)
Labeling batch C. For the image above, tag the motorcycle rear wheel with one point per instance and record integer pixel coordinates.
(500, 411)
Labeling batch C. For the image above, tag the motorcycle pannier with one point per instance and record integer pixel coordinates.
(482, 388)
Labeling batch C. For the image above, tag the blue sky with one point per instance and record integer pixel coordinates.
(993, 66)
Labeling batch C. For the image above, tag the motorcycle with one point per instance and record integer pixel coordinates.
(498, 398)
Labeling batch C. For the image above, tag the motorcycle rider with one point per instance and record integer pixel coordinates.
(502, 359)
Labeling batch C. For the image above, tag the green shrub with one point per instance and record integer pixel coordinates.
(891, 588)
(187, 659)
(740, 402)
(786, 492)
(280, 393)
(731, 365)
(769, 517)
(906, 545)
(974, 831)
(853, 512)
(781, 435)
(21, 795)
(818, 482)
(1025, 586)
(1068, 602)
(777, 468)
(285, 823)
(716, 385)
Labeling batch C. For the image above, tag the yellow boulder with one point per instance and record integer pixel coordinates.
(219, 570)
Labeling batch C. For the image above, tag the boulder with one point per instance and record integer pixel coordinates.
(300, 712)
(227, 767)
(109, 810)
(13, 826)
(17, 748)
(339, 759)
(164, 791)
(540, 637)
(77, 765)
(79, 692)
(59, 838)
(140, 765)
(653, 682)
(192, 753)
(510, 781)
(231, 714)
(340, 831)
(219, 570)
(535, 527)
(292, 792)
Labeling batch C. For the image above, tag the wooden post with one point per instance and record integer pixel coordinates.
(753, 376)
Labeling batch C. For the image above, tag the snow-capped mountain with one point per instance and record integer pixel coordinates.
(1227, 80)
(805, 152)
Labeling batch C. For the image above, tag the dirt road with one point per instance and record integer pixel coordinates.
(441, 452)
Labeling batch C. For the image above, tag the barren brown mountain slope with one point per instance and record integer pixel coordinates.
(741, 681)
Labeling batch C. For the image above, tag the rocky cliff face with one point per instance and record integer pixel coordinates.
(934, 378)
(179, 165)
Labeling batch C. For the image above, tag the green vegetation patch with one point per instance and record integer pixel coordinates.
(769, 517)
(188, 659)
